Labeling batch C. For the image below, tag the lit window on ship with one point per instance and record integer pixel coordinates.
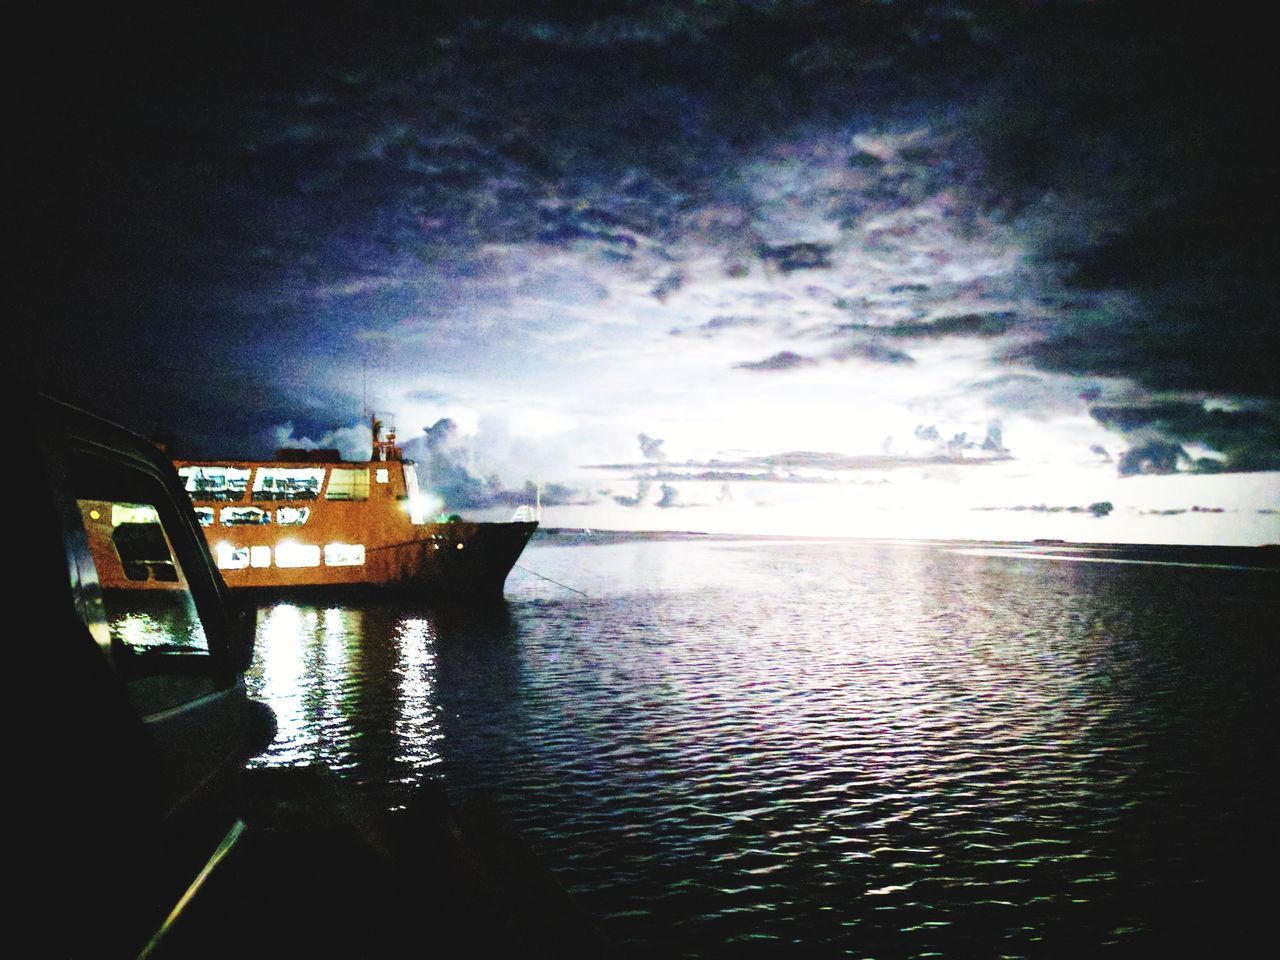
(205, 516)
(215, 483)
(348, 484)
(238, 516)
(231, 558)
(297, 555)
(292, 516)
(288, 483)
(343, 554)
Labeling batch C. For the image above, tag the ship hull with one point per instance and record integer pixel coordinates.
(458, 559)
(461, 560)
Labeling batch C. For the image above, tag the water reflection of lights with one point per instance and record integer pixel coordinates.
(140, 631)
(305, 670)
(417, 725)
(336, 679)
(339, 629)
(324, 670)
(276, 679)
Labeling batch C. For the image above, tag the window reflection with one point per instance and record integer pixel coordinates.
(146, 597)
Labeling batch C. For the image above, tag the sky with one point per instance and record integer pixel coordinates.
(890, 269)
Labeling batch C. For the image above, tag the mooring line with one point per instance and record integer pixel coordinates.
(549, 580)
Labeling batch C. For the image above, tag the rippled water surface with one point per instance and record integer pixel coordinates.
(888, 750)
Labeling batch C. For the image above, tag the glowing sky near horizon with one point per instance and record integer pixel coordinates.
(983, 268)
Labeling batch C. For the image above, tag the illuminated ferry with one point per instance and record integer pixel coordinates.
(311, 519)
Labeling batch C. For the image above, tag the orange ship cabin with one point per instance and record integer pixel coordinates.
(311, 519)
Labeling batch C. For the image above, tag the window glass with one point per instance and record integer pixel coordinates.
(292, 516)
(230, 557)
(236, 516)
(383, 475)
(214, 482)
(205, 516)
(288, 483)
(297, 555)
(144, 609)
(148, 602)
(343, 554)
(348, 484)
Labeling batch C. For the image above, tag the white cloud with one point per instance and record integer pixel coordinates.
(353, 442)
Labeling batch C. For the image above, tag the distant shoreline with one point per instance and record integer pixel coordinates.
(1260, 557)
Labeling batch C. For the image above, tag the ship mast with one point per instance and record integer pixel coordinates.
(386, 449)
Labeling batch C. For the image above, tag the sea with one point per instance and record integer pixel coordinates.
(733, 747)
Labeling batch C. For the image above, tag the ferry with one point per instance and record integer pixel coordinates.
(309, 519)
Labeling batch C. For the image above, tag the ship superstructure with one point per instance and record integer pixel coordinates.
(308, 518)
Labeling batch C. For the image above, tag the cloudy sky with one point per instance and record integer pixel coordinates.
(939, 269)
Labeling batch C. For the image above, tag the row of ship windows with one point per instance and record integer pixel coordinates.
(231, 557)
(253, 516)
(280, 483)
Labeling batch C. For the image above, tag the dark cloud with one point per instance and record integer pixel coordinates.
(721, 323)
(994, 441)
(1128, 140)
(875, 352)
(783, 360)
(869, 351)
(651, 447)
(427, 396)
(796, 256)
(209, 413)
(1171, 354)
(252, 192)
(553, 494)
(642, 494)
(1154, 456)
(1037, 395)
(1100, 509)
(1178, 511)
(667, 285)
(966, 324)
(1247, 439)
